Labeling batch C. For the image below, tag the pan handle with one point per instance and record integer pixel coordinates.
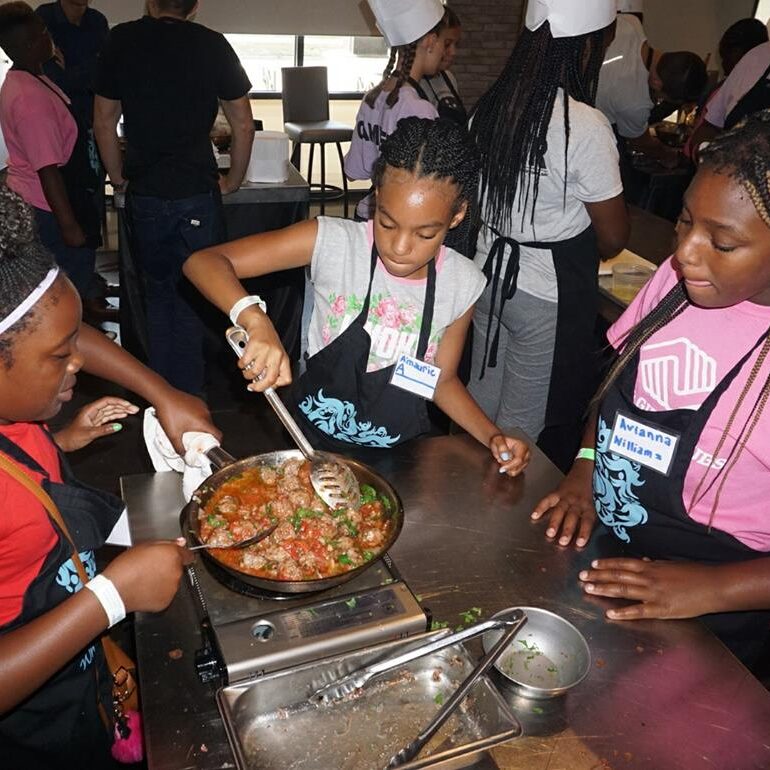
(219, 457)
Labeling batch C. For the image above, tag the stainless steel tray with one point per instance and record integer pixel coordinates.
(271, 726)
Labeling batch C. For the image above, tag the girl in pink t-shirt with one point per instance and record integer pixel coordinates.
(48, 164)
(676, 459)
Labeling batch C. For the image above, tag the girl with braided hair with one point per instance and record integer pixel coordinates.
(676, 461)
(551, 207)
(392, 305)
(53, 678)
(411, 28)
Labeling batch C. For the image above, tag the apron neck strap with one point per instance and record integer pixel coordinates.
(417, 87)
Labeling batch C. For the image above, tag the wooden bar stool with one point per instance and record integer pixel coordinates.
(305, 97)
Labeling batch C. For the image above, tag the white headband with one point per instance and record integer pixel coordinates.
(30, 301)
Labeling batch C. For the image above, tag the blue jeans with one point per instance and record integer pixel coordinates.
(79, 263)
(162, 234)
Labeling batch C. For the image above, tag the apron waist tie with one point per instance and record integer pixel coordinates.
(493, 268)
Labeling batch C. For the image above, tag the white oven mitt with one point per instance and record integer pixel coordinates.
(194, 466)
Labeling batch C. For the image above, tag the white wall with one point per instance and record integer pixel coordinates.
(692, 25)
(287, 17)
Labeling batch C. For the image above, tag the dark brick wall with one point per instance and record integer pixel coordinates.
(490, 29)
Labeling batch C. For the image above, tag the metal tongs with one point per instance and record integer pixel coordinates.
(409, 752)
(357, 679)
(334, 481)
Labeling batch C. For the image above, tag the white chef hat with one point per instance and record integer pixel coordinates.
(569, 18)
(630, 6)
(404, 21)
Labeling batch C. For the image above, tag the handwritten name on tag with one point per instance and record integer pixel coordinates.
(643, 443)
(415, 376)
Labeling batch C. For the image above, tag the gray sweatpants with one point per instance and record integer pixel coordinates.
(515, 392)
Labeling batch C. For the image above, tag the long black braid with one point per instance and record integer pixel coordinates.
(24, 262)
(405, 55)
(432, 148)
(511, 120)
(743, 155)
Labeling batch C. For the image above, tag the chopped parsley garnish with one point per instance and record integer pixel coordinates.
(301, 514)
(350, 528)
(215, 521)
(343, 558)
(439, 698)
(368, 555)
(368, 494)
(387, 506)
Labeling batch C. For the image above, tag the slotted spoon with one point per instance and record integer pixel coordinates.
(332, 480)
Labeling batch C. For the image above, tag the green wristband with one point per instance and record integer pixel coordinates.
(586, 453)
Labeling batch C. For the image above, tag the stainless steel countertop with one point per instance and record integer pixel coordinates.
(660, 694)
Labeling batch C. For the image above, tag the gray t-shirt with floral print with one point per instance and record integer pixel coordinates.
(340, 274)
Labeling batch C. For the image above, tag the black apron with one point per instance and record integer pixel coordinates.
(81, 179)
(344, 407)
(755, 99)
(645, 510)
(573, 373)
(450, 108)
(59, 725)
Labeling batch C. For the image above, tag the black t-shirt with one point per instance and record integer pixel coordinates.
(168, 75)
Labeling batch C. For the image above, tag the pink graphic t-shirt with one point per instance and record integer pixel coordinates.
(679, 366)
(340, 274)
(39, 131)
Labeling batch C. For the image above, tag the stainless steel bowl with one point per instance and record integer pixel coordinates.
(548, 656)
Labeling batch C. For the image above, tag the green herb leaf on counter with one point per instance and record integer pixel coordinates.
(351, 603)
(437, 624)
(537, 710)
(469, 617)
(439, 698)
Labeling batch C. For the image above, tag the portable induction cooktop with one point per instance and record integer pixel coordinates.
(248, 632)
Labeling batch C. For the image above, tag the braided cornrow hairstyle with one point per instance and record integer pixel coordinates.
(406, 55)
(511, 120)
(24, 262)
(432, 148)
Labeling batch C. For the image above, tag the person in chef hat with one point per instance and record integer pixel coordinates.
(551, 206)
(411, 29)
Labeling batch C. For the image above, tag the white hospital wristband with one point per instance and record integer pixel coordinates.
(243, 303)
(104, 590)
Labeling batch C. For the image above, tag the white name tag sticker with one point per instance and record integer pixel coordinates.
(643, 443)
(415, 376)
